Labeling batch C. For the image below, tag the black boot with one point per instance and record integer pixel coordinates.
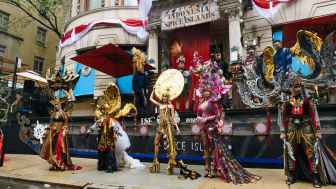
(316, 182)
(292, 177)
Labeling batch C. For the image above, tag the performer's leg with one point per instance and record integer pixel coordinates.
(155, 168)
(292, 139)
(171, 148)
(206, 144)
(137, 102)
(178, 101)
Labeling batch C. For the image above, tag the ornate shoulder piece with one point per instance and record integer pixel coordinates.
(58, 82)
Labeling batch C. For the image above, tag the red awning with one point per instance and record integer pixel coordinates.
(323, 26)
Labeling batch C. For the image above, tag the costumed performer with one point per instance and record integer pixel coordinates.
(166, 127)
(300, 128)
(176, 50)
(55, 147)
(113, 140)
(208, 115)
(140, 81)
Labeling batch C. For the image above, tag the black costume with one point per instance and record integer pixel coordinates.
(140, 92)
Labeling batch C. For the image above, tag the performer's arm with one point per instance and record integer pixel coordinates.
(65, 126)
(315, 118)
(152, 99)
(46, 130)
(282, 119)
(174, 119)
(189, 80)
(288, 56)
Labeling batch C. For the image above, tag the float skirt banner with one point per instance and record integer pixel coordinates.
(85, 84)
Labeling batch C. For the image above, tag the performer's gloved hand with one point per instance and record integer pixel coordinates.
(282, 135)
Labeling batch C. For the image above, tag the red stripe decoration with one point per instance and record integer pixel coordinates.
(267, 8)
(132, 26)
(265, 4)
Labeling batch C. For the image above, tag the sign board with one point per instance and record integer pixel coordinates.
(189, 15)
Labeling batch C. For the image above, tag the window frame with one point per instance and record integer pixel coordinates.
(86, 5)
(4, 15)
(4, 50)
(40, 62)
(40, 42)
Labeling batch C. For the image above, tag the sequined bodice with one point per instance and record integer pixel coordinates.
(58, 117)
(165, 114)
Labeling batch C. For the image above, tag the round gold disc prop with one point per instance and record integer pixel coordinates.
(171, 79)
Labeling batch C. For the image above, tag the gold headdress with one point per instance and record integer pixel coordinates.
(58, 101)
(58, 82)
(111, 102)
(65, 83)
(296, 50)
(139, 60)
(176, 50)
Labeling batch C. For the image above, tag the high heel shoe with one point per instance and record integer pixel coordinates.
(214, 171)
(171, 165)
(53, 167)
(206, 169)
(155, 168)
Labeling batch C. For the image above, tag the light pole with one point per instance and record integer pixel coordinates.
(11, 100)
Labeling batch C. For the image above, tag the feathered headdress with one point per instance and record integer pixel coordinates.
(139, 60)
(176, 50)
(209, 78)
(244, 41)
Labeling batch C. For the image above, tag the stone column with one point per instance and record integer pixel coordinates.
(234, 14)
(153, 46)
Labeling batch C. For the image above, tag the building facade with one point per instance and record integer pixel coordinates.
(33, 43)
(80, 12)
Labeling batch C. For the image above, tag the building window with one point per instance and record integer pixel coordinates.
(92, 4)
(41, 36)
(4, 19)
(2, 52)
(129, 2)
(38, 64)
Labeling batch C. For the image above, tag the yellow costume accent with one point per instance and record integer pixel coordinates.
(172, 81)
(268, 59)
(166, 128)
(296, 50)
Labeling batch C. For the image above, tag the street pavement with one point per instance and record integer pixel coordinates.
(32, 168)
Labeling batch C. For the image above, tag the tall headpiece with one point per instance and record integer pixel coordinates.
(58, 101)
(217, 49)
(66, 82)
(209, 78)
(176, 50)
(139, 60)
(244, 41)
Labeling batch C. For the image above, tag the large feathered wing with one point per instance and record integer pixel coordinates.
(268, 59)
(127, 108)
(297, 48)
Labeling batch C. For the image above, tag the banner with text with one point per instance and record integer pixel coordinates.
(189, 15)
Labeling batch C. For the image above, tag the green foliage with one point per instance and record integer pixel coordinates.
(46, 12)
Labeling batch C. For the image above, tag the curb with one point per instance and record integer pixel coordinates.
(55, 182)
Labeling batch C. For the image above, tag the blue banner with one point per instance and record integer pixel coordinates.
(85, 84)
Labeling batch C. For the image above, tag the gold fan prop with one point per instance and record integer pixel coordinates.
(170, 81)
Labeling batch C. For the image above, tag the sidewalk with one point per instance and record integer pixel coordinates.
(32, 168)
